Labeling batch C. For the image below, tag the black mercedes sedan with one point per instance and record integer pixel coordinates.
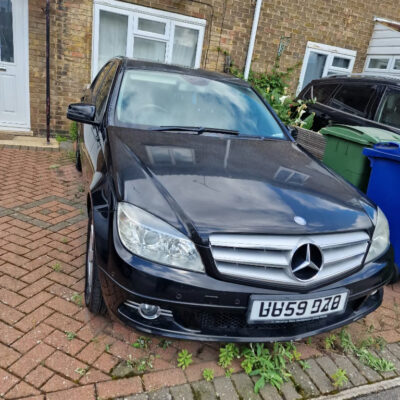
(207, 221)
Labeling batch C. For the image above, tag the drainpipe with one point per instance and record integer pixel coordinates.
(48, 71)
(252, 39)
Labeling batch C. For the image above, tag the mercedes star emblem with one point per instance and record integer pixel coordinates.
(307, 261)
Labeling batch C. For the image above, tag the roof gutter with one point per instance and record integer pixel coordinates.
(253, 35)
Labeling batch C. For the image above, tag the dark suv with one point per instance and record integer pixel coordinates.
(355, 100)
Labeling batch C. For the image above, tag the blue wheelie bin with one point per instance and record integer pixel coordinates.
(384, 187)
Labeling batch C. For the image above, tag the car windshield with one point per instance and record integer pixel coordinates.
(154, 99)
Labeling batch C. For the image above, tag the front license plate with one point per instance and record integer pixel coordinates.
(289, 308)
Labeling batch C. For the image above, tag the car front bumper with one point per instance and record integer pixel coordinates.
(200, 307)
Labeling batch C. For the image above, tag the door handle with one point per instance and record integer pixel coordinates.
(2, 69)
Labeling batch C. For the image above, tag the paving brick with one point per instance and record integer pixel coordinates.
(205, 391)
(60, 341)
(10, 298)
(65, 365)
(7, 356)
(160, 379)
(63, 323)
(57, 383)
(35, 287)
(370, 375)
(32, 338)
(224, 389)
(195, 371)
(20, 390)
(33, 319)
(36, 274)
(9, 315)
(10, 283)
(7, 381)
(38, 376)
(245, 386)
(34, 302)
(8, 334)
(162, 394)
(106, 362)
(81, 393)
(289, 392)
(121, 387)
(31, 359)
(93, 376)
(303, 380)
(319, 377)
(330, 368)
(13, 271)
(184, 392)
(344, 363)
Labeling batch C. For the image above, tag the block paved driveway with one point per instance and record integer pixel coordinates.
(42, 252)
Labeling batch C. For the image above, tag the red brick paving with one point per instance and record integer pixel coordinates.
(37, 360)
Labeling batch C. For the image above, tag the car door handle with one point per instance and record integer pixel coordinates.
(2, 69)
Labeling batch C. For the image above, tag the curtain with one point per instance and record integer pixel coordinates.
(185, 46)
(315, 67)
(149, 50)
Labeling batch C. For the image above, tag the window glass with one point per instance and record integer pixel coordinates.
(151, 26)
(341, 62)
(102, 94)
(185, 46)
(149, 99)
(354, 98)
(323, 92)
(396, 64)
(112, 36)
(149, 50)
(389, 112)
(315, 67)
(96, 85)
(6, 32)
(378, 63)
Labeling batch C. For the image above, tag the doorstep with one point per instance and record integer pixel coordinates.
(28, 143)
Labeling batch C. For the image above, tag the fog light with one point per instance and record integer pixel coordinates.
(149, 311)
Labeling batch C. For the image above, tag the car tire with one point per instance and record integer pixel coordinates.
(93, 295)
(78, 163)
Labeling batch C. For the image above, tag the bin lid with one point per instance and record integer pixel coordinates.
(365, 135)
(389, 151)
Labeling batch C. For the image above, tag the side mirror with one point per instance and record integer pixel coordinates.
(293, 132)
(81, 112)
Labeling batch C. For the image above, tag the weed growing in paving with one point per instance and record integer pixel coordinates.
(57, 267)
(363, 352)
(77, 299)
(164, 343)
(339, 378)
(81, 371)
(184, 359)
(227, 354)
(330, 342)
(70, 335)
(208, 374)
(229, 372)
(304, 364)
(108, 348)
(142, 342)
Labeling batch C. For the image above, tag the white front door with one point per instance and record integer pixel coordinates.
(14, 65)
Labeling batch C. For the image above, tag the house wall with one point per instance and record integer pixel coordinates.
(345, 23)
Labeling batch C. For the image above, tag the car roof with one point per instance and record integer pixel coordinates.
(129, 63)
(360, 78)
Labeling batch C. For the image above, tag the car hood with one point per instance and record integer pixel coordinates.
(204, 184)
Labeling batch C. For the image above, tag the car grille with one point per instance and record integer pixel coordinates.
(267, 258)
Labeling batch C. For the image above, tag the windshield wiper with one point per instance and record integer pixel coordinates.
(196, 129)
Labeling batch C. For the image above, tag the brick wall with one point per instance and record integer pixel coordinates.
(346, 23)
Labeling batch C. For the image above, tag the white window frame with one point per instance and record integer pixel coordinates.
(134, 12)
(390, 67)
(331, 52)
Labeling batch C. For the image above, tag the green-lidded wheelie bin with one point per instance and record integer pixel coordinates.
(344, 150)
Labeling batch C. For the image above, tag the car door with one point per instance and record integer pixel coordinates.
(92, 142)
(388, 112)
(352, 102)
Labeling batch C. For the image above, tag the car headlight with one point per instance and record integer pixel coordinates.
(149, 237)
(380, 239)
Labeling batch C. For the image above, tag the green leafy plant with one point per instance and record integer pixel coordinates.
(364, 354)
(304, 364)
(61, 138)
(270, 366)
(70, 335)
(73, 131)
(229, 372)
(184, 359)
(77, 299)
(330, 342)
(108, 347)
(208, 374)
(57, 267)
(227, 353)
(81, 371)
(340, 378)
(164, 343)
(142, 342)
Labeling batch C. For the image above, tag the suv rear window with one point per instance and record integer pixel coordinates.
(323, 92)
(354, 98)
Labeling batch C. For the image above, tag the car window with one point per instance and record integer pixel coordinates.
(102, 94)
(354, 98)
(150, 99)
(323, 92)
(389, 111)
(96, 84)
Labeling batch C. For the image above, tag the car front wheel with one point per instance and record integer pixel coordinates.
(93, 296)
